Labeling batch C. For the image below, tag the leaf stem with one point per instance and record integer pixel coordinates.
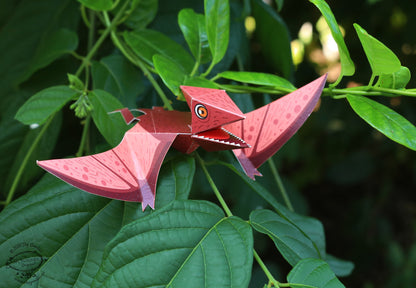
(87, 59)
(213, 186)
(84, 136)
(279, 182)
(25, 160)
(265, 270)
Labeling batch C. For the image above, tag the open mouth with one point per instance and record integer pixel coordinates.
(223, 137)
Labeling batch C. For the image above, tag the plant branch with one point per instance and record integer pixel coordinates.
(84, 136)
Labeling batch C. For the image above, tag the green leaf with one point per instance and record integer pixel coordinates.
(199, 82)
(279, 4)
(175, 180)
(185, 244)
(385, 120)
(274, 38)
(142, 13)
(310, 273)
(172, 74)
(56, 234)
(347, 66)
(382, 59)
(147, 43)
(217, 23)
(29, 26)
(116, 75)
(257, 78)
(98, 5)
(193, 28)
(43, 104)
(111, 126)
(62, 41)
(289, 240)
(340, 267)
(396, 80)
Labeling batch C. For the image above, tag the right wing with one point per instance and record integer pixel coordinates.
(127, 172)
(266, 129)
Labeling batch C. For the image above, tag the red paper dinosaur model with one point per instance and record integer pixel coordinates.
(129, 171)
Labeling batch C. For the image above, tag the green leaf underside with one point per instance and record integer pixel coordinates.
(274, 38)
(185, 244)
(217, 23)
(147, 43)
(382, 60)
(257, 78)
(144, 11)
(43, 104)
(111, 126)
(172, 74)
(289, 239)
(385, 120)
(193, 28)
(347, 66)
(310, 273)
(116, 75)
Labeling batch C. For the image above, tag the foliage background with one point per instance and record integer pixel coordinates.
(338, 169)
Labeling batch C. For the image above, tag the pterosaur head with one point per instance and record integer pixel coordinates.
(211, 109)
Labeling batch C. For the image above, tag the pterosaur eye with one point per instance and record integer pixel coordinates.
(201, 111)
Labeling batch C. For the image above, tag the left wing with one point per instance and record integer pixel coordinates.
(127, 172)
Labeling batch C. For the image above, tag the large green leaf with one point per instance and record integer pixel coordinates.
(119, 77)
(60, 42)
(257, 78)
(110, 125)
(185, 244)
(382, 59)
(43, 104)
(55, 235)
(385, 120)
(288, 238)
(193, 28)
(347, 66)
(30, 26)
(173, 75)
(274, 38)
(147, 43)
(313, 273)
(217, 23)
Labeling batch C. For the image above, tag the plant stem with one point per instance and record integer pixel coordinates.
(25, 160)
(87, 59)
(265, 270)
(84, 136)
(280, 185)
(213, 186)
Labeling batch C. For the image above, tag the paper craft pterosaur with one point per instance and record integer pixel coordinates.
(129, 171)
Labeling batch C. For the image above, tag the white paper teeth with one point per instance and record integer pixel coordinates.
(216, 140)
